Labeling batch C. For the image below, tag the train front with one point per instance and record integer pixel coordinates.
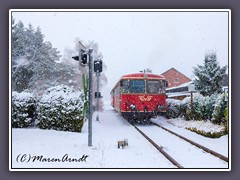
(143, 96)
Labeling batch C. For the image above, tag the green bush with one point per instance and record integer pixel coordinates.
(219, 109)
(201, 108)
(60, 108)
(207, 134)
(226, 119)
(212, 108)
(23, 109)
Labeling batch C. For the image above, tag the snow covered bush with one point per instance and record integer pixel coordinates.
(201, 107)
(60, 108)
(23, 109)
(226, 118)
(173, 108)
(208, 108)
(207, 134)
(219, 108)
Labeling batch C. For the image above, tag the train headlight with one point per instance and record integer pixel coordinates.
(160, 107)
(132, 107)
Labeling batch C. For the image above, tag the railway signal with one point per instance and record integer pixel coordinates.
(98, 66)
(85, 57)
(82, 58)
(98, 95)
(97, 69)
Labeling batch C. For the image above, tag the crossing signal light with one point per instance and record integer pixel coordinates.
(97, 66)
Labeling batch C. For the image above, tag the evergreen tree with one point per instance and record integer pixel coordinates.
(18, 34)
(209, 76)
(34, 64)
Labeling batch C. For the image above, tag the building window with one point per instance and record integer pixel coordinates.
(176, 80)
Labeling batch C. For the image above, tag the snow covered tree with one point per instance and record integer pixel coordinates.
(74, 76)
(209, 76)
(18, 35)
(34, 64)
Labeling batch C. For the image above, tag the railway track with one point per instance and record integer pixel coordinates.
(170, 157)
(224, 158)
(160, 149)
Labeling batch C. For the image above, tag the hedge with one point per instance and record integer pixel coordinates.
(201, 108)
(60, 108)
(23, 109)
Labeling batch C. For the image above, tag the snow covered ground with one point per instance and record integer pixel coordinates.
(178, 125)
(36, 148)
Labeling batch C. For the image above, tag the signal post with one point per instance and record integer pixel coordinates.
(97, 70)
(85, 58)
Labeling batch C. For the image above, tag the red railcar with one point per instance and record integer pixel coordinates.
(140, 96)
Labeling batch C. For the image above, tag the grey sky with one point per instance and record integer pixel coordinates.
(132, 41)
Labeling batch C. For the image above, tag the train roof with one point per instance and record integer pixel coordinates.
(142, 76)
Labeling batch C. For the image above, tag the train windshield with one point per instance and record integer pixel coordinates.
(136, 86)
(155, 87)
(125, 86)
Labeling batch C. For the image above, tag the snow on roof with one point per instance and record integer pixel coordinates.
(178, 94)
(182, 85)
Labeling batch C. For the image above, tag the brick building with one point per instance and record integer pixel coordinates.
(175, 78)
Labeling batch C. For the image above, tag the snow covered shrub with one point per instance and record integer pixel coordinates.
(193, 110)
(219, 108)
(207, 134)
(226, 118)
(60, 108)
(201, 107)
(23, 109)
(184, 104)
(173, 108)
